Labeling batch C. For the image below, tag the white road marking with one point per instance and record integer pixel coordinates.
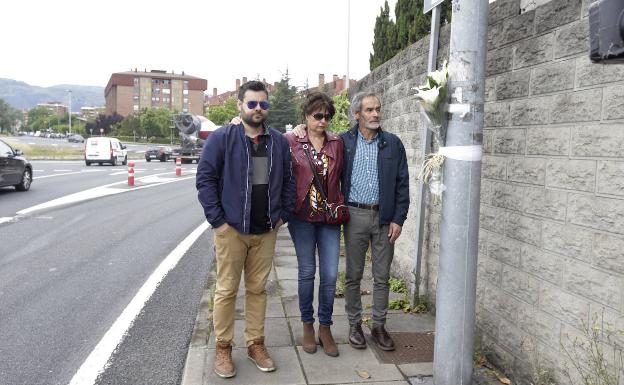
(101, 191)
(62, 170)
(97, 361)
(67, 173)
(5, 219)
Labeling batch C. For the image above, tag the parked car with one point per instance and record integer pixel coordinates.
(76, 138)
(162, 153)
(102, 149)
(15, 170)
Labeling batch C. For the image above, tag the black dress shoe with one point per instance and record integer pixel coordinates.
(356, 336)
(382, 338)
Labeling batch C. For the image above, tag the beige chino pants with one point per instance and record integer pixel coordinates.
(235, 253)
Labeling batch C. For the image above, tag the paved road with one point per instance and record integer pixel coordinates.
(68, 272)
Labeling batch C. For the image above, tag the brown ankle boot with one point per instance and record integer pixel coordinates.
(327, 341)
(309, 342)
(223, 364)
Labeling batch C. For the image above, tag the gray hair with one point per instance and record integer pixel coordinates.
(356, 102)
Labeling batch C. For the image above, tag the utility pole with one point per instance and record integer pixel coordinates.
(70, 95)
(346, 86)
(459, 228)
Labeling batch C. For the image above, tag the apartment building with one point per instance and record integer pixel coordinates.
(130, 92)
(218, 99)
(57, 108)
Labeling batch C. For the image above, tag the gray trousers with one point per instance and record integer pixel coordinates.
(363, 229)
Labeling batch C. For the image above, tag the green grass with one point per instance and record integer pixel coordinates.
(47, 151)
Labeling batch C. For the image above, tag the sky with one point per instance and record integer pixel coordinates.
(83, 42)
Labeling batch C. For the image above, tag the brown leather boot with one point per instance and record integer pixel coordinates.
(258, 354)
(327, 341)
(382, 338)
(309, 342)
(223, 364)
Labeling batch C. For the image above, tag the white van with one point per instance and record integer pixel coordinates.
(102, 149)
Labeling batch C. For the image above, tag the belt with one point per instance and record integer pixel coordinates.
(363, 206)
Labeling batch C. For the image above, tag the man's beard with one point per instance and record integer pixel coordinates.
(249, 119)
(373, 125)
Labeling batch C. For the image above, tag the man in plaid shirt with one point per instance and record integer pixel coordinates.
(375, 184)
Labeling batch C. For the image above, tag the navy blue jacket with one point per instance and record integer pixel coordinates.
(224, 178)
(392, 172)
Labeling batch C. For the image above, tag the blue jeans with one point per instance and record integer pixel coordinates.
(307, 237)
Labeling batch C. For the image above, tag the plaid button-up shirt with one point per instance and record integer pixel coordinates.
(364, 177)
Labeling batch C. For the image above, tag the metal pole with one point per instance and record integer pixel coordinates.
(346, 87)
(459, 227)
(424, 150)
(70, 93)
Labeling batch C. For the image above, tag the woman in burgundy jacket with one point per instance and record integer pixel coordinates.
(307, 225)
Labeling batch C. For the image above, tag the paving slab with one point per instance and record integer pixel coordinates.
(322, 369)
(288, 371)
(287, 272)
(421, 380)
(194, 369)
(288, 287)
(383, 383)
(402, 322)
(422, 369)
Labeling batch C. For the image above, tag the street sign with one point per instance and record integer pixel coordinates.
(430, 4)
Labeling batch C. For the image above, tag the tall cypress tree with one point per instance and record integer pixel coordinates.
(383, 40)
(411, 25)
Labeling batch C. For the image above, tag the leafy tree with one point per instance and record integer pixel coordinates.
(283, 101)
(106, 122)
(223, 114)
(340, 122)
(411, 25)
(129, 126)
(39, 118)
(9, 116)
(156, 122)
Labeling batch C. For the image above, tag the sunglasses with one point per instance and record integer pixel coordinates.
(318, 116)
(253, 104)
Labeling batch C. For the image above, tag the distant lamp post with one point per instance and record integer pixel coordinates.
(346, 85)
(70, 97)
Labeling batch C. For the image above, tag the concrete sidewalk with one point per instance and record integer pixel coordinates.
(283, 338)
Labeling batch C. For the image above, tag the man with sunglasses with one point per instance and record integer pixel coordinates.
(246, 187)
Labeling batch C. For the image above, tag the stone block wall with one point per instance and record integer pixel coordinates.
(551, 242)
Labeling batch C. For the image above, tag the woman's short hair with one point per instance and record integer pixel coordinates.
(316, 101)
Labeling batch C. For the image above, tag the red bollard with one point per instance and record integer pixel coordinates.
(130, 173)
(178, 166)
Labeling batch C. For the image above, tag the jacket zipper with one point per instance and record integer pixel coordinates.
(246, 185)
(269, 189)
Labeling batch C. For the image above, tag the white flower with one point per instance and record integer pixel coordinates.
(440, 77)
(428, 96)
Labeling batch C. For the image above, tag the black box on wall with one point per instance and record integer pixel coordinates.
(606, 31)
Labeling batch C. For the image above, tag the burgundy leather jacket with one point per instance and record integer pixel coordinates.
(334, 149)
